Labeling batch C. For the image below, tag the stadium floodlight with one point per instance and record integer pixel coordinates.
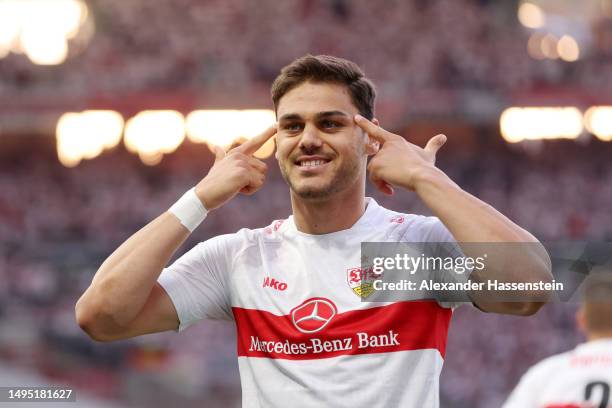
(74, 142)
(214, 127)
(44, 48)
(73, 15)
(69, 150)
(537, 123)
(568, 48)
(548, 46)
(151, 159)
(63, 17)
(40, 28)
(531, 15)
(106, 126)
(154, 131)
(598, 121)
(255, 121)
(9, 26)
(225, 127)
(86, 134)
(534, 46)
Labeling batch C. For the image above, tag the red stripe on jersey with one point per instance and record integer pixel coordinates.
(396, 327)
(563, 406)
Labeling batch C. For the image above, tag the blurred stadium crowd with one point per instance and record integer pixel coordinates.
(238, 44)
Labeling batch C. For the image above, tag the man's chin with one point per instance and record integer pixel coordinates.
(313, 192)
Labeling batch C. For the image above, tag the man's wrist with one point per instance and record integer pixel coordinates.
(189, 210)
(428, 177)
(203, 192)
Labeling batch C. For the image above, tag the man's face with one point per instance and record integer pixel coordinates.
(320, 149)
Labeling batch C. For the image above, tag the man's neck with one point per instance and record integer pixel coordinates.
(337, 213)
(600, 335)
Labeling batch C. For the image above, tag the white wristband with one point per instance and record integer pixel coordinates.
(189, 210)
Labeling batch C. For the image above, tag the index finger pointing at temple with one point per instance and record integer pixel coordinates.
(252, 145)
(373, 130)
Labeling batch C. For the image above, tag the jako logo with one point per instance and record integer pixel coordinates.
(274, 284)
(313, 315)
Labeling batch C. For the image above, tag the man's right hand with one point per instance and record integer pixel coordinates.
(233, 172)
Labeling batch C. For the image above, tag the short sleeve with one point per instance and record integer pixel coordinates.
(197, 282)
(437, 232)
(433, 231)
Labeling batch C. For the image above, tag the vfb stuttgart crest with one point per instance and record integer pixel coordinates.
(361, 280)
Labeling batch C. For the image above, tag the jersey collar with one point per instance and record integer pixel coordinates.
(363, 222)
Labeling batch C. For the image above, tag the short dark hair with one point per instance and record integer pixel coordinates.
(597, 296)
(326, 68)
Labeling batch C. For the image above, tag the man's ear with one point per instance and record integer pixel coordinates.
(372, 145)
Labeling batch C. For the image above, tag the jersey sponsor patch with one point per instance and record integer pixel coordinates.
(300, 336)
(313, 315)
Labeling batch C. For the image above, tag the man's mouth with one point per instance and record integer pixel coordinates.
(311, 162)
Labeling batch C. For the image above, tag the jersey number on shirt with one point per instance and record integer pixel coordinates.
(605, 392)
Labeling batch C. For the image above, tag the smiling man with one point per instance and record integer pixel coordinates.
(306, 338)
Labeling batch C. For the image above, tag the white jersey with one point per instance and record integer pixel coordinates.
(580, 378)
(305, 337)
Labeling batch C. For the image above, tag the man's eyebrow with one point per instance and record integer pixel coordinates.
(331, 113)
(289, 116)
(325, 114)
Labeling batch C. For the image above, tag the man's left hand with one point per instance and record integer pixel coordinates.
(398, 162)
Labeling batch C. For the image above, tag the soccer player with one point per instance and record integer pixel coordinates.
(305, 337)
(582, 377)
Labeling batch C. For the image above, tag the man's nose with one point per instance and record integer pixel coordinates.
(310, 138)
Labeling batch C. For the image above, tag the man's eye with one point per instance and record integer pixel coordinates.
(293, 127)
(329, 124)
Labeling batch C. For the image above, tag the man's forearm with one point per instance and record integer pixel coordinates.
(468, 218)
(124, 281)
(471, 220)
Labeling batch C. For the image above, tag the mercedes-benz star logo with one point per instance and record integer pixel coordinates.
(313, 315)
